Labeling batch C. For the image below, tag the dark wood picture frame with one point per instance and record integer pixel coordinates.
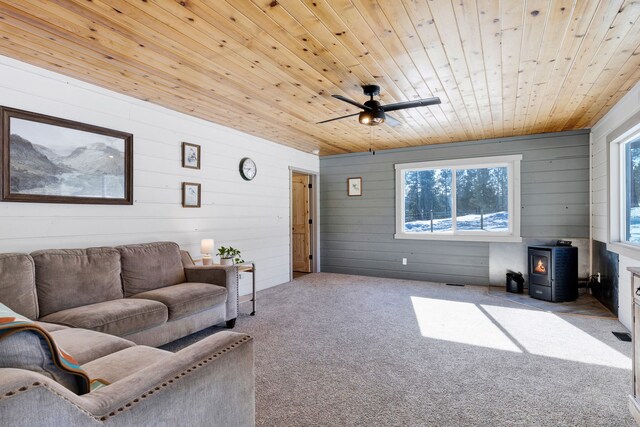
(354, 186)
(185, 159)
(184, 194)
(9, 195)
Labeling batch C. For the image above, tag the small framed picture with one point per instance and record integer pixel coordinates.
(190, 195)
(354, 186)
(190, 156)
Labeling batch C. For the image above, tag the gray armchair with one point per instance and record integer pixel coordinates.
(210, 383)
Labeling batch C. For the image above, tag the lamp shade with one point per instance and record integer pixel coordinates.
(206, 246)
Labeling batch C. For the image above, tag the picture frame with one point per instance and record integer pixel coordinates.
(191, 195)
(190, 155)
(354, 186)
(48, 159)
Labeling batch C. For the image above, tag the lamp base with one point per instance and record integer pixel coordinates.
(206, 260)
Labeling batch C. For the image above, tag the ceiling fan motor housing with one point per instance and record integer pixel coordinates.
(371, 90)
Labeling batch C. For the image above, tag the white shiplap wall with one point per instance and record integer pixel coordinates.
(623, 110)
(252, 216)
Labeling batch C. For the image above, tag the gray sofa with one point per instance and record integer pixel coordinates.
(143, 293)
(97, 304)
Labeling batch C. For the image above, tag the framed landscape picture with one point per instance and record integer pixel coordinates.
(50, 160)
(354, 186)
(190, 156)
(190, 195)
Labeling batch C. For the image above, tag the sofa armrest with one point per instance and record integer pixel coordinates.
(221, 275)
(211, 382)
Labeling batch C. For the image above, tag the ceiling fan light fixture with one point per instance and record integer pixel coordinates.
(371, 118)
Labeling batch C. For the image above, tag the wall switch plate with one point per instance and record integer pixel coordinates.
(404, 261)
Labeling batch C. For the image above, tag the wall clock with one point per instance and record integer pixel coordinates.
(248, 169)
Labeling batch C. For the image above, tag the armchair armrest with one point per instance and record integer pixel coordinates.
(221, 275)
(211, 382)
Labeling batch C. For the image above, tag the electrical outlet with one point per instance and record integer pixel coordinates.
(404, 261)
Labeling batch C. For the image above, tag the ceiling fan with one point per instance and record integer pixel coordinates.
(373, 113)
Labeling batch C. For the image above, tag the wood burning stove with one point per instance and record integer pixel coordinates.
(553, 273)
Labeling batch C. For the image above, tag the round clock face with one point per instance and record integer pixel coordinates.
(248, 169)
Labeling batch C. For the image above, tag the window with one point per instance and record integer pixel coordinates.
(468, 199)
(630, 177)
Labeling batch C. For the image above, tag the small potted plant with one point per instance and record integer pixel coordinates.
(229, 256)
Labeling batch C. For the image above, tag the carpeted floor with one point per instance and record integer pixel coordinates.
(340, 350)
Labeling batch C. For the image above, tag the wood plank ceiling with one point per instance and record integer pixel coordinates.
(268, 67)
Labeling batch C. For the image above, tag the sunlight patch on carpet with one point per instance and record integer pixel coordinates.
(459, 322)
(546, 334)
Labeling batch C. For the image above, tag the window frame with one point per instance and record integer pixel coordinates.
(617, 193)
(511, 162)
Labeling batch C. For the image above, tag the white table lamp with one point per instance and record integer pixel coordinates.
(206, 249)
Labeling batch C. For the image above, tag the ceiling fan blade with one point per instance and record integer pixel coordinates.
(352, 102)
(391, 121)
(338, 118)
(411, 104)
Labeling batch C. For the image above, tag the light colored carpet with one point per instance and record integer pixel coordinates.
(340, 350)
(585, 305)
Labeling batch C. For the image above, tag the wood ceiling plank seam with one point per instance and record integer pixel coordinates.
(277, 72)
(24, 53)
(512, 19)
(203, 102)
(617, 70)
(240, 12)
(311, 59)
(623, 36)
(468, 24)
(390, 83)
(357, 13)
(548, 58)
(113, 54)
(241, 86)
(491, 42)
(618, 94)
(307, 36)
(267, 104)
(629, 77)
(430, 38)
(282, 66)
(421, 61)
(581, 18)
(530, 48)
(595, 33)
(444, 21)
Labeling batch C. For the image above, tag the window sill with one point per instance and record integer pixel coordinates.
(506, 238)
(625, 249)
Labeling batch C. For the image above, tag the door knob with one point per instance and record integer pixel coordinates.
(638, 292)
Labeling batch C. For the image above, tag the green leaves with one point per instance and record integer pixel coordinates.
(231, 253)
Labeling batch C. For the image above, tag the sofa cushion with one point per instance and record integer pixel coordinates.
(150, 266)
(186, 298)
(123, 363)
(118, 317)
(85, 345)
(18, 285)
(68, 278)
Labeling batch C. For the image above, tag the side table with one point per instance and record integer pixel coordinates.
(250, 267)
(245, 267)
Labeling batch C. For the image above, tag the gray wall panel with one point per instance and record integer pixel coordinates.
(357, 232)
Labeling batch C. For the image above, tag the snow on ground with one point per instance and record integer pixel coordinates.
(497, 221)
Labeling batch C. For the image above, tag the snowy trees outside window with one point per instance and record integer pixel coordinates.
(470, 197)
(631, 157)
